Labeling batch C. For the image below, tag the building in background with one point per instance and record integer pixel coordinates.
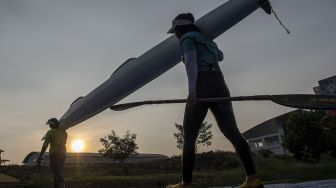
(2, 161)
(327, 86)
(268, 135)
(90, 159)
(317, 90)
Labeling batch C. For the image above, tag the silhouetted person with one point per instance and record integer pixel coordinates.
(205, 80)
(56, 137)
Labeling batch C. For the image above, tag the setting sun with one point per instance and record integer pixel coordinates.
(77, 145)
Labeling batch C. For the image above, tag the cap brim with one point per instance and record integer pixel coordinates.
(171, 30)
(50, 122)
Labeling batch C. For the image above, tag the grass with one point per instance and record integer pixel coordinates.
(211, 169)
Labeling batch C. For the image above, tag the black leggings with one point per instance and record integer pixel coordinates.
(212, 84)
(57, 161)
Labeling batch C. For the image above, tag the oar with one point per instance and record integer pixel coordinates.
(303, 101)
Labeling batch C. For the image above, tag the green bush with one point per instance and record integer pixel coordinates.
(306, 136)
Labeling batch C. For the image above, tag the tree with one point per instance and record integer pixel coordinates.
(330, 123)
(119, 148)
(203, 139)
(305, 135)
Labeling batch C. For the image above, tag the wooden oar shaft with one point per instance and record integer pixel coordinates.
(304, 101)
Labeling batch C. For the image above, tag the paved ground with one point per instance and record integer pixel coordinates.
(7, 179)
(9, 182)
(4, 179)
(309, 184)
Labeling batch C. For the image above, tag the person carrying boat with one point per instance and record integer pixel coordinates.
(57, 138)
(205, 80)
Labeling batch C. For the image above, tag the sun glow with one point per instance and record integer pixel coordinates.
(77, 145)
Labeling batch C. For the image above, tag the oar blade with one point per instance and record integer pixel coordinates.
(125, 106)
(306, 101)
(121, 107)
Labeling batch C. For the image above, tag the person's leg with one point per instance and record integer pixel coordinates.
(226, 121)
(224, 115)
(53, 167)
(57, 160)
(62, 163)
(193, 118)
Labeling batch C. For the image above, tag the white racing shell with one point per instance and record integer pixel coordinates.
(137, 72)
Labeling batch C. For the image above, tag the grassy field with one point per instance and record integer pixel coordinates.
(211, 169)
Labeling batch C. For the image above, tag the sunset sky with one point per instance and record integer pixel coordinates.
(52, 52)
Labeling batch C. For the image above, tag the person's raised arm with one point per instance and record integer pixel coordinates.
(44, 148)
